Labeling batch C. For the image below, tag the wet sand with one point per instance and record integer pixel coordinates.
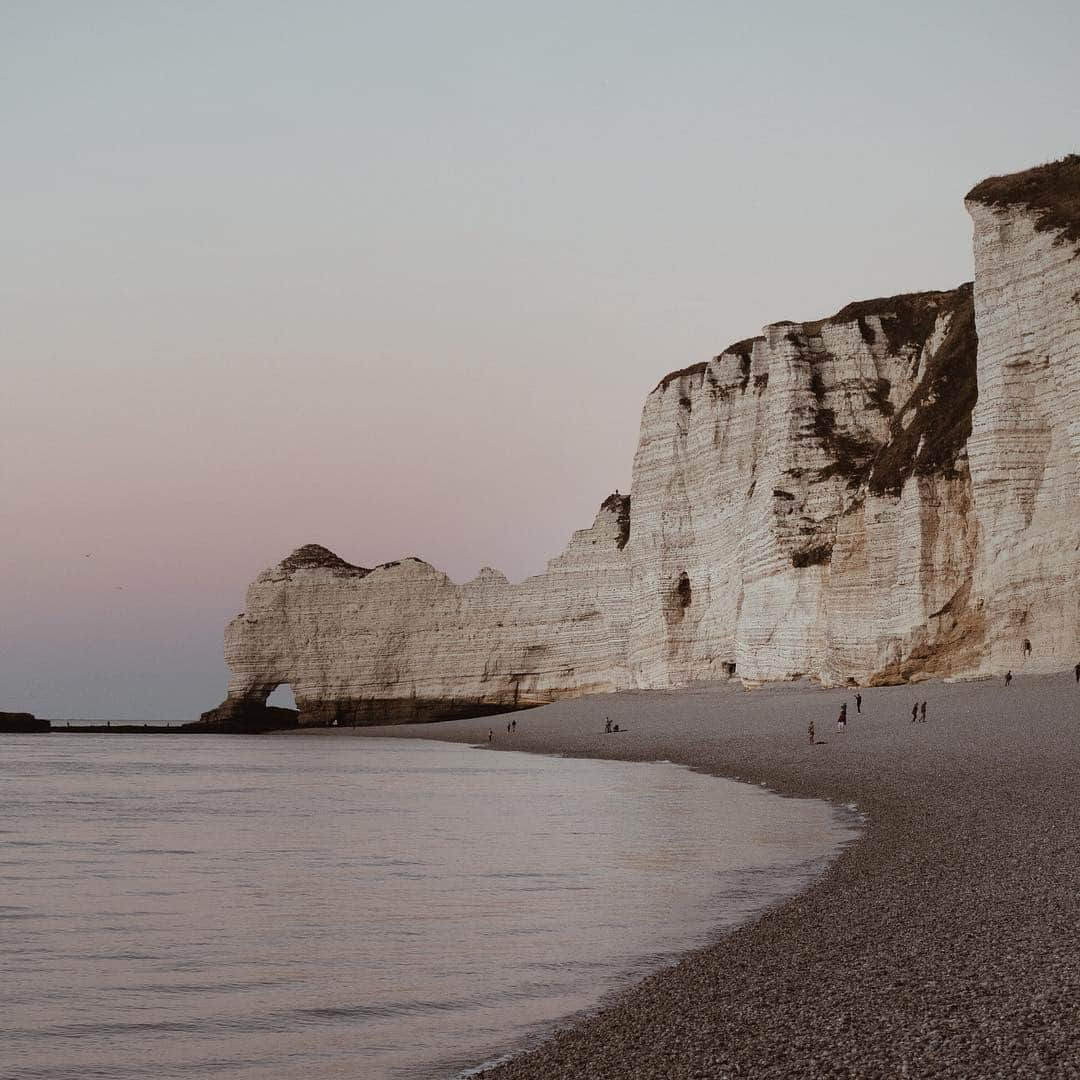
(945, 943)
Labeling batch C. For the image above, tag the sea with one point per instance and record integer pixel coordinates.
(266, 907)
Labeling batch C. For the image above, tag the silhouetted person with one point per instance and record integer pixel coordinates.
(1008, 677)
(915, 713)
(841, 721)
(607, 726)
(507, 727)
(923, 711)
(513, 725)
(491, 735)
(858, 703)
(810, 732)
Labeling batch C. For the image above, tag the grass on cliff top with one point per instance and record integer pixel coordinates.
(315, 555)
(1051, 191)
(742, 349)
(907, 320)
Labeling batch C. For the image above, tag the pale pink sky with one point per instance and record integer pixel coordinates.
(398, 281)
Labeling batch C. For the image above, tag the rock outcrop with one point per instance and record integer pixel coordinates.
(21, 723)
(402, 642)
(888, 494)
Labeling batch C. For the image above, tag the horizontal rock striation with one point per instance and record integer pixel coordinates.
(1025, 442)
(888, 494)
(801, 503)
(402, 642)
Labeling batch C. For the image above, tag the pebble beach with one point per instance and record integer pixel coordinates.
(943, 943)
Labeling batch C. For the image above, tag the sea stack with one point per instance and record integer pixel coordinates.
(885, 495)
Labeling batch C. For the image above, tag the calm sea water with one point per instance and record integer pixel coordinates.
(186, 906)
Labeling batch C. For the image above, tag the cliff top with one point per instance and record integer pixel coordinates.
(311, 556)
(315, 556)
(907, 320)
(1051, 192)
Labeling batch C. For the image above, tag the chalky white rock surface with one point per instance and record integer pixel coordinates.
(1025, 443)
(821, 500)
(403, 640)
(755, 478)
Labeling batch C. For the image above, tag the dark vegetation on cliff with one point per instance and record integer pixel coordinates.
(851, 455)
(742, 349)
(671, 376)
(315, 555)
(942, 402)
(907, 320)
(814, 556)
(1051, 192)
(929, 441)
(619, 504)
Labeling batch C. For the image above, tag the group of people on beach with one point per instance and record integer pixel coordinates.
(918, 710)
(511, 727)
(918, 714)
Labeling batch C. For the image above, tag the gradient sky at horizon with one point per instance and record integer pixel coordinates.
(397, 278)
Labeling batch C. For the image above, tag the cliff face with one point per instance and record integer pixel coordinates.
(812, 489)
(402, 642)
(1025, 442)
(887, 494)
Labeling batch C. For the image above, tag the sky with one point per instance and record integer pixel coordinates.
(397, 278)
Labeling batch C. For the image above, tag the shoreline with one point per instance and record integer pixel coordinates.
(945, 940)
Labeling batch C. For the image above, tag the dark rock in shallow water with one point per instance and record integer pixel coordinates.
(245, 716)
(373, 712)
(22, 722)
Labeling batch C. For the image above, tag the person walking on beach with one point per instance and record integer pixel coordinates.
(915, 713)
(841, 721)
(810, 732)
(491, 735)
(513, 725)
(507, 727)
(923, 711)
(1008, 677)
(858, 703)
(607, 725)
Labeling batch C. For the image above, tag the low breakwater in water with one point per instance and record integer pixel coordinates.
(261, 908)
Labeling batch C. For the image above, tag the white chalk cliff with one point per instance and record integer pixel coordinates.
(888, 494)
